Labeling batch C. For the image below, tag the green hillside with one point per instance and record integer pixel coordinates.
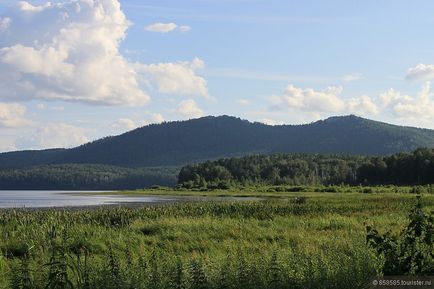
(184, 142)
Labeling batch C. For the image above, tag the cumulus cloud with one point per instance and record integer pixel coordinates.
(4, 23)
(126, 124)
(321, 101)
(189, 109)
(156, 118)
(362, 105)
(166, 27)
(421, 72)
(67, 51)
(408, 109)
(12, 115)
(404, 106)
(326, 100)
(59, 135)
(71, 53)
(177, 78)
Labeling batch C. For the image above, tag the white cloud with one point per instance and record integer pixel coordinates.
(167, 27)
(391, 96)
(25, 6)
(59, 135)
(363, 105)
(352, 77)
(161, 27)
(156, 118)
(12, 115)
(407, 109)
(421, 72)
(403, 106)
(189, 109)
(4, 23)
(323, 101)
(70, 53)
(126, 124)
(270, 121)
(177, 78)
(242, 101)
(326, 100)
(184, 28)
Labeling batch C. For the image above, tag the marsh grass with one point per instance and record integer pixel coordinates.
(275, 243)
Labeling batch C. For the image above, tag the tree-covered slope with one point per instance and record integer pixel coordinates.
(415, 168)
(183, 142)
(85, 177)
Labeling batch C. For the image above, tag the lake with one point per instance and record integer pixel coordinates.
(44, 199)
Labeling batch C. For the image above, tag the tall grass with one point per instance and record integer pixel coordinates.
(285, 243)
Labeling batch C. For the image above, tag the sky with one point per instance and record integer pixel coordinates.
(73, 71)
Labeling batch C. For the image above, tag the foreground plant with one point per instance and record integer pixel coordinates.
(410, 253)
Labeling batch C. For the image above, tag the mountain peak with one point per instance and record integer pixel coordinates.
(212, 137)
(349, 117)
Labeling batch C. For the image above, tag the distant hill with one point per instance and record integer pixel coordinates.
(182, 142)
(85, 177)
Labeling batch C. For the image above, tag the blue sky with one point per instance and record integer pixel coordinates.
(70, 75)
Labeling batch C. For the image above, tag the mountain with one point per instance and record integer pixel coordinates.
(182, 142)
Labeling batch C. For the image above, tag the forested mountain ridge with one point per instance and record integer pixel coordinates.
(196, 140)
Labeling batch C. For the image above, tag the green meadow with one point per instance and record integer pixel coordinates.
(286, 239)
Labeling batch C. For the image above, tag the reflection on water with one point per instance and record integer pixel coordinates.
(43, 199)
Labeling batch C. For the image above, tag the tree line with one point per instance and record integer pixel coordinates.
(415, 168)
(85, 177)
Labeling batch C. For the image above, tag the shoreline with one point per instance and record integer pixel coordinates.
(170, 200)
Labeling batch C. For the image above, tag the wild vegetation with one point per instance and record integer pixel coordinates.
(301, 240)
(415, 168)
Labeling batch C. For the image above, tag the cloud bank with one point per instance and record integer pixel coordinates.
(323, 101)
(12, 115)
(69, 51)
(421, 72)
(177, 78)
(414, 109)
(59, 135)
(189, 109)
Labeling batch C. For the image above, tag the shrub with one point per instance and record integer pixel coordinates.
(410, 253)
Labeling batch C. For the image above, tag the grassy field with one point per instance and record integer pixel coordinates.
(269, 191)
(287, 240)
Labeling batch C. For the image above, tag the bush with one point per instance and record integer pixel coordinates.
(410, 253)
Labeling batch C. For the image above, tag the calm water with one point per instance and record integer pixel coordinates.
(40, 199)
(43, 199)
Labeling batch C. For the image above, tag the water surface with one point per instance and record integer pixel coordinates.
(45, 199)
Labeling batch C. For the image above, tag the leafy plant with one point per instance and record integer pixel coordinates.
(410, 253)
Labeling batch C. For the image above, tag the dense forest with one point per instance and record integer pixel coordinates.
(412, 168)
(85, 177)
(197, 140)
